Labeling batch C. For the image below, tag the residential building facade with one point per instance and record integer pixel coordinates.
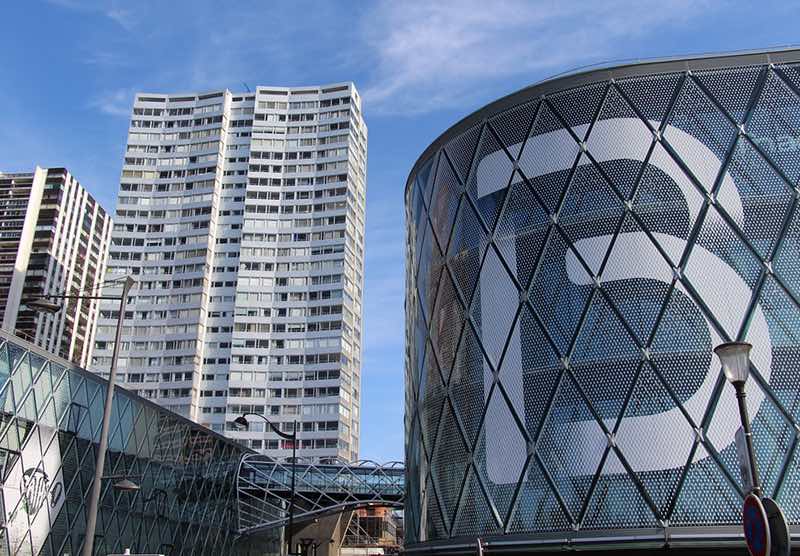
(54, 239)
(241, 216)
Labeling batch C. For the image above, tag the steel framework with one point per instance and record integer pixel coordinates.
(263, 489)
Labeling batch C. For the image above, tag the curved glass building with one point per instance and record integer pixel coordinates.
(574, 252)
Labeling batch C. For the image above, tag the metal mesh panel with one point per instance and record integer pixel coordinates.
(571, 446)
(578, 106)
(476, 515)
(513, 126)
(490, 176)
(467, 382)
(493, 325)
(522, 231)
(775, 125)
(555, 298)
(547, 158)
(697, 116)
(646, 219)
(762, 193)
(731, 88)
(449, 462)
(461, 151)
(446, 191)
(467, 249)
(651, 95)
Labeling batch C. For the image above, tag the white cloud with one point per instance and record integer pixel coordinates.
(125, 17)
(433, 54)
(115, 102)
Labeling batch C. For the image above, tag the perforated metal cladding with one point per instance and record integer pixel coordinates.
(593, 246)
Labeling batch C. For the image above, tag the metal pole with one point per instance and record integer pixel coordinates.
(291, 499)
(139, 547)
(94, 499)
(741, 397)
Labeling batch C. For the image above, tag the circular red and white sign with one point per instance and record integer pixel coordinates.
(756, 526)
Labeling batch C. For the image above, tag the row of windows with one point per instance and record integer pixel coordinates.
(152, 175)
(294, 155)
(323, 392)
(281, 267)
(145, 137)
(168, 124)
(171, 161)
(297, 168)
(168, 256)
(184, 199)
(287, 208)
(159, 377)
(329, 374)
(159, 270)
(307, 104)
(300, 182)
(306, 343)
(248, 300)
(142, 346)
(283, 238)
(177, 111)
(299, 117)
(127, 241)
(268, 444)
(299, 359)
(163, 187)
(261, 142)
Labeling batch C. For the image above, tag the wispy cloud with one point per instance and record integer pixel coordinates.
(115, 102)
(127, 18)
(124, 17)
(432, 54)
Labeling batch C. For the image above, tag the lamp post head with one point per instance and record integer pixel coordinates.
(241, 422)
(42, 304)
(735, 359)
(126, 485)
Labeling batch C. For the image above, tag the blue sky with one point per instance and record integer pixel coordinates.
(69, 70)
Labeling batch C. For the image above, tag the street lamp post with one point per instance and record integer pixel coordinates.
(242, 422)
(735, 359)
(46, 304)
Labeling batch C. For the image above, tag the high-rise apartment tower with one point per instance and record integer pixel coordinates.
(241, 217)
(54, 239)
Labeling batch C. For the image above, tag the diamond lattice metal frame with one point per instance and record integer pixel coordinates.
(574, 252)
(49, 429)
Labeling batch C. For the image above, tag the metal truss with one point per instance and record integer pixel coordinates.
(263, 489)
(533, 346)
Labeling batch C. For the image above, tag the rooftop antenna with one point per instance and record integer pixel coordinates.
(245, 86)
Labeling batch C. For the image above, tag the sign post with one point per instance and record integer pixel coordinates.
(756, 526)
(744, 460)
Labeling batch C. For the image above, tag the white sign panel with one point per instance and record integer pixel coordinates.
(33, 492)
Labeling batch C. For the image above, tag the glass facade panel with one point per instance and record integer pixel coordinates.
(49, 429)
